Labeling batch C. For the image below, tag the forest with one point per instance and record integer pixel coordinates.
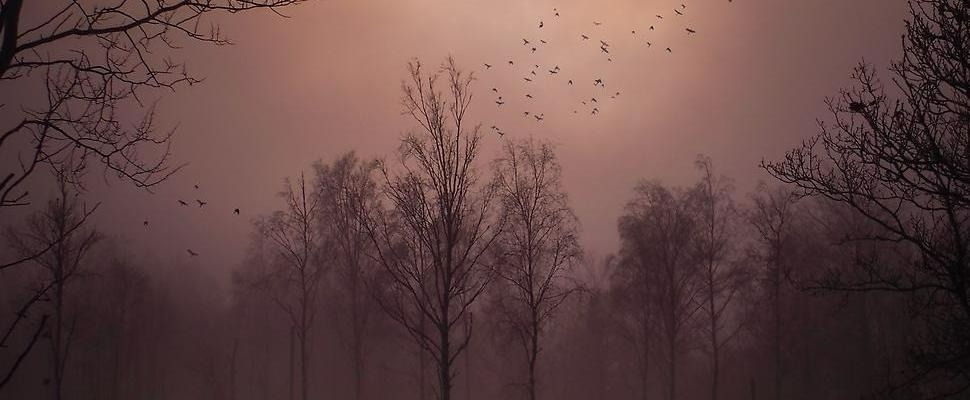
(454, 267)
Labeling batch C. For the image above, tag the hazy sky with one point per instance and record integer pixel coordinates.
(750, 84)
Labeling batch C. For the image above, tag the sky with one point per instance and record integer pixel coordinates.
(749, 85)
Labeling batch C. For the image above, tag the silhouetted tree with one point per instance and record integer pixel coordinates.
(658, 231)
(56, 228)
(538, 245)
(898, 156)
(298, 243)
(771, 215)
(722, 277)
(90, 61)
(347, 190)
(431, 243)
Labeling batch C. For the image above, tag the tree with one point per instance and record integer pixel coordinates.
(299, 246)
(898, 156)
(88, 63)
(538, 245)
(657, 232)
(56, 229)
(722, 277)
(431, 243)
(771, 216)
(347, 190)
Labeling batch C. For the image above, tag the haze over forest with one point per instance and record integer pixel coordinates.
(286, 199)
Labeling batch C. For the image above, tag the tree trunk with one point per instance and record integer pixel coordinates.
(292, 360)
(444, 361)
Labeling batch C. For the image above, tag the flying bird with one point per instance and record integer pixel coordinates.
(598, 82)
(539, 117)
(660, 16)
(649, 44)
(525, 41)
(201, 203)
(542, 41)
(690, 31)
(196, 186)
(597, 23)
(191, 253)
(669, 51)
(495, 90)
(511, 62)
(527, 79)
(236, 211)
(570, 81)
(499, 102)
(584, 37)
(541, 24)
(488, 66)
(533, 49)
(145, 223)
(595, 111)
(603, 49)
(604, 44)
(528, 95)
(594, 100)
(183, 203)
(651, 27)
(676, 11)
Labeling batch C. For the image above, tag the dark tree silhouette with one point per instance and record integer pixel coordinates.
(431, 243)
(347, 190)
(92, 61)
(299, 246)
(658, 231)
(55, 228)
(538, 245)
(899, 157)
(722, 276)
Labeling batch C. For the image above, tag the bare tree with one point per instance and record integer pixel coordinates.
(658, 230)
(721, 276)
(431, 244)
(88, 62)
(898, 156)
(538, 245)
(55, 228)
(347, 190)
(294, 283)
(772, 215)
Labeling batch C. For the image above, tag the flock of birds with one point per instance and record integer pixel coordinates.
(590, 102)
(201, 204)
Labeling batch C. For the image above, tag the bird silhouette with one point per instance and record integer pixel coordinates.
(542, 41)
(201, 203)
(676, 11)
(495, 90)
(598, 82)
(499, 102)
(236, 211)
(604, 44)
(651, 27)
(527, 79)
(669, 50)
(595, 111)
(488, 66)
(603, 49)
(593, 99)
(511, 62)
(539, 117)
(525, 113)
(541, 24)
(690, 31)
(528, 95)
(533, 49)
(552, 71)
(183, 203)
(145, 223)
(196, 186)
(649, 44)
(570, 82)
(584, 37)
(191, 253)
(525, 41)
(597, 23)
(660, 16)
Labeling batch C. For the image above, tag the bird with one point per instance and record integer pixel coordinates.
(683, 6)
(584, 37)
(610, 59)
(603, 49)
(541, 24)
(145, 223)
(669, 51)
(634, 31)
(495, 90)
(660, 16)
(196, 186)
(533, 72)
(236, 211)
(525, 113)
(533, 49)
(542, 41)
(595, 111)
(649, 44)
(651, 27)
(598, 82)
(676, 11)
(500, 133)
(597, 23)
(539, 117)
(201, 203)
(690, 31)
(527, 79)
(488, 66)
(552, 71)
(499, 102)
(593, 99)
(183, 203)
(570, 82)
(528, 95)
(525, 41)
(511, 62)
(604, 44)
(191, 253)
(555, 11)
